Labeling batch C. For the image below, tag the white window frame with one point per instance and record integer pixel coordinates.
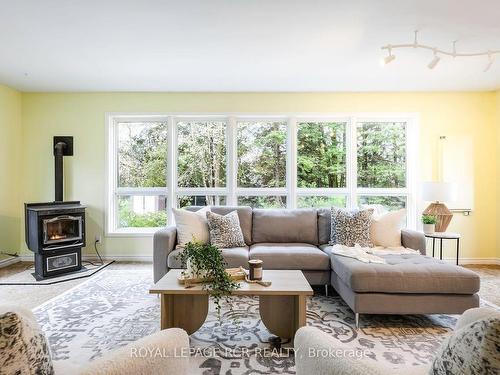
(232, 191)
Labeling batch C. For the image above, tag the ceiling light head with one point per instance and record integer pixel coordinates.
(386, 60)
(491, 58)
(434, 61)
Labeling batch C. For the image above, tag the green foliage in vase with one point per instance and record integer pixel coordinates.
(429, 219)
(208, 261)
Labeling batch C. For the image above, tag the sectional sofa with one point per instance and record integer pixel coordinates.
(298, 239)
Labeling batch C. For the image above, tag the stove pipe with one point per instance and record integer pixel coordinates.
(59, 170)
(63, 146)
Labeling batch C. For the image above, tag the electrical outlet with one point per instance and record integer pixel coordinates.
(98, 238)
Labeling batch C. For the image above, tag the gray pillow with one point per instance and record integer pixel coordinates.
(225, 231)
(23, 347)
(351, 227)
(473, 349)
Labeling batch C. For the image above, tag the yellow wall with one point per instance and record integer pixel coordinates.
(10, 163)
(83, 116)
(498, 169)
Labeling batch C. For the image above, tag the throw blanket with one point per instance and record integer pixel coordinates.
(369, 255)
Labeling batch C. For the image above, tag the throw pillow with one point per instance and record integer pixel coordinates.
(351, 227)
(225, 230)
(24, 348)
(385, 229)
(191, 226)
(472, 349)
(378, 209)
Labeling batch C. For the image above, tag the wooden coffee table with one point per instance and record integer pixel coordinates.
(282, 305)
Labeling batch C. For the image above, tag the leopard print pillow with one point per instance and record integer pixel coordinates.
(351, 227)
(225, 230)
(23, 347)
(473, 349)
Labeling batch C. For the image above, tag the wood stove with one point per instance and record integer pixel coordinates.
(55, 231)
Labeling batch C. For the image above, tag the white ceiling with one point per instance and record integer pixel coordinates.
(243, 45)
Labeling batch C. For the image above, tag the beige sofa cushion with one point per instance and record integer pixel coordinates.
(290, 256)
(405, 274)
(235, 257)
(244, 215)
(282, 225)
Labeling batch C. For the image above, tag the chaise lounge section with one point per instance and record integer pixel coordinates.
(298, 239)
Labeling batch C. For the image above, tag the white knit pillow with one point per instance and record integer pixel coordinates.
(23, 347)
(191, 226)
(385, 230)
(473, 349)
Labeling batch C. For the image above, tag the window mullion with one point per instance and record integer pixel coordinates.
(291, 163)
(171, 168)
(352, 163)
(114, 168)
(232, 161)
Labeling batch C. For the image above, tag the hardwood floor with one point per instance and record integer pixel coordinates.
(31, 296)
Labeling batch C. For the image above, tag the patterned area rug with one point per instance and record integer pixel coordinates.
(113, 308)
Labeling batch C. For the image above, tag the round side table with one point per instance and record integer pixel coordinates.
(443, 236)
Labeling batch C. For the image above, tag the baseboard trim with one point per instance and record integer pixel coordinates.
(122, 258)
(118, 258)
(463, 261)
(8, 262)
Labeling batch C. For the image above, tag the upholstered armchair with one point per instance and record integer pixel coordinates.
(457, 354)
(24, 350)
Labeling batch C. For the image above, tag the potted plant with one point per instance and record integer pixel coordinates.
(205, 261)
(429, 222)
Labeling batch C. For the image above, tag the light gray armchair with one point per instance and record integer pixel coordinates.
(25, 351)
(310, 340)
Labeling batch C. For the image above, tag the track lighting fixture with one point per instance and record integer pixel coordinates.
(434, 61)
(438, 53)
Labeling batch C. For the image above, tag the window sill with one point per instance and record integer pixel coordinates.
(133, 232)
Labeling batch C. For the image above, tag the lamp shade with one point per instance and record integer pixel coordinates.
(438, 191)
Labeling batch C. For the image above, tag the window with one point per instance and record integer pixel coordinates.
(263, 201)
(261, 163)
(142, 154)
(321, 201)
(157, 163)
(201, 160)
(139, 194)
(201, 200)
(321, 155)
(381, 154)
(142, 211)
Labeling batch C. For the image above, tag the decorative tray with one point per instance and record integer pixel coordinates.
(237, 274)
